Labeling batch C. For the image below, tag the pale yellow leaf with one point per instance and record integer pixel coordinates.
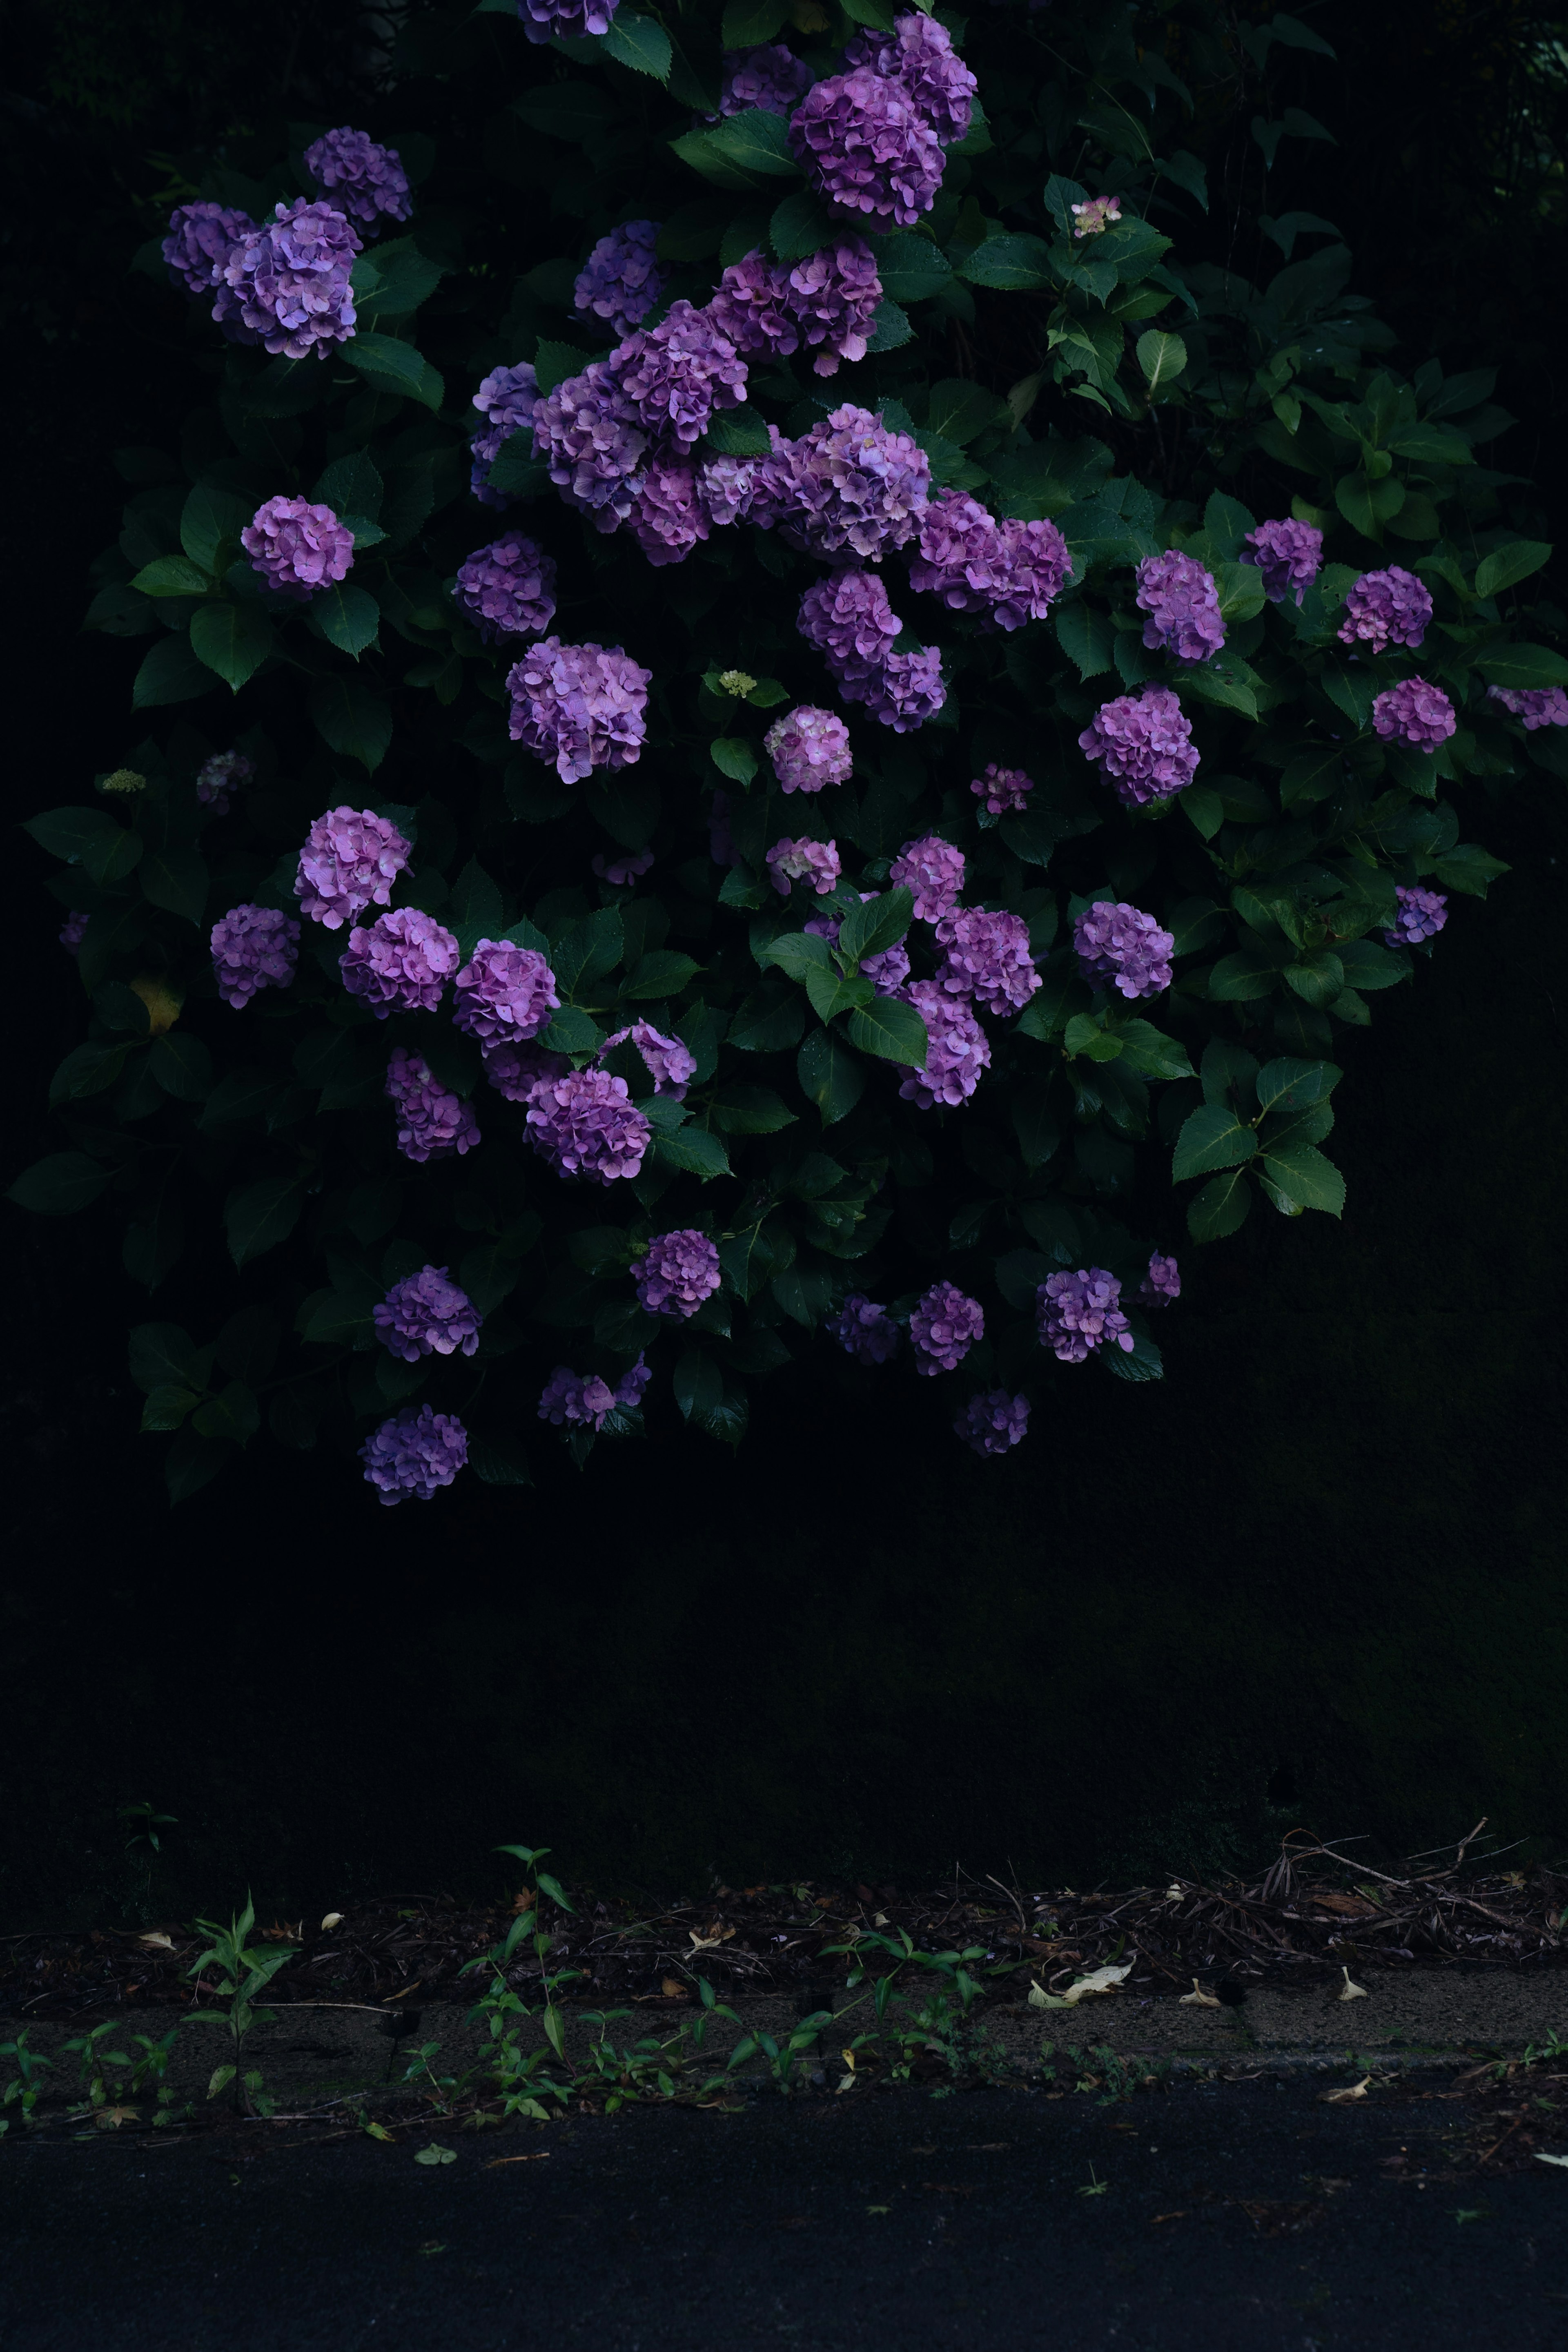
(1199, 1998)
(1349, 1992)
(1351, 2091)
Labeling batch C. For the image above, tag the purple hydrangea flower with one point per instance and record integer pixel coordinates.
(669, 1062)
(905, 692)
(752, 307)
(1289, 554)
(366, 181)
(570, 1401)
(887, 969)
(988, 959)
(579, 705)
(623, 871)
(849, 483)
(725, 485)
(629, 1387)
(516, 1070)
(253, 948)
(297, 547)
(934, 870)
(1161, 1286)
(864, 143)
(219, 777)
(351, 859)
(506, 995)
(1419, 915)
(286, 282)
(956, 1051)
(586, 433)
(200, 241)
(508, 589)
(1032, 565)
(1003, 792)
(1120, 946)
(1385, 608)
(809, 749)
(586, 1124)
(680, 1270)
(427, 1314)
(1078, 1314)
(575, 20)
(1537, 705)
(432, 1121)
(919, 54)
(676, 375)
(864, 1330)
(1009, 571)
(772, 77)
(668, 515)
(414, 1453)
(1414, 713)
(1094, 218)
(943, 1326)
(506, 401)
(622, 281)
(992, 1422)
(1144, 743)
(72, 929)
(848, 618)
(816, 862)
(401, 962)
(833, 296)
(1183, 605)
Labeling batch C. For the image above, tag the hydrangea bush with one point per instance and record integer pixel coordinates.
(971, 704)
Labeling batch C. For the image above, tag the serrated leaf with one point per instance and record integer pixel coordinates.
(1286, 1085)
(1523, 665)
(389, 365)
(1301, 1173)
(169, 673)
(830, 993)
(173, 575)
(638, 42)
(1211, 1137)
(352, 721)
(734, 757)
(831, 1074)
(911, 269)
(890, 1029)
(1503, 567)
(1221, 1208)
(58, 1184)
(877, 925)
(1151, 1053)
(347, 617)
(1010, 264)
(695, 1151)
(799, 953)
(1085, 636)
(1162, 357)
(177, 880)
(257, 1217)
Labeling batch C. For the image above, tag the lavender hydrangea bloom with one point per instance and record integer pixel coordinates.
(621, 282)
(71, 931)
(943, 1326)
(865, 144)
(849, 483)
(432, 1121)
(810, 749)
(1419, 915)
(401, 962)
(1162, 1284)
(351, 859)
(286, 283)
(427, 1314)
(992, 1422)
(297, 547)
(816, 862)
(668, 513)
(848, 618)
(919, 54)
(366, 181)
(680, 1270)
(1009, 571)
(629, 1387)
(570, 1401)
(506, 401)
(1003, 792)
(1289, 554)
(1415, 714)
(623, 871)
(679, 374)
(1099, 213)
(414, 1453)
(669, 1061)
(1183, 605)
(586, 433)
(253, 948)
(833, 298)
(956, 1051)
(934, 871)
(864, 1330)
(725, 485)
(988, 959)
(575, 20)
(1537, 705)
(887, 969)
(218, 778)
(1144, 743)
(508, 589)
(516, 1070)
(506, 995)
(586, 1124)
(1385, 608)
(905, 693)
(1121, 948)
(579, 705)
(1078, 1314)
(200, 241)
(752, 307)
(772, 77)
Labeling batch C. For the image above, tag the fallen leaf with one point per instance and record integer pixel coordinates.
(156, 1936)
(1179, 2215)
(1345, 1906)
(1353, 1992)
(436, 2153)
(1541, 2157)
(1351, 2090)
(1199, 1998)
(333, 1920)
(1098, 1980)
(879, 1918)
(1172, 1895)
(535, 2155)
(524, 1901)
(110, 2118)
(672, 1987)
(714, 1937)
(380, 2131)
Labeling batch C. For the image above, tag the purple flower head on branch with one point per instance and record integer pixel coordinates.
(72, 929)
(1418, 915)
(516, 1070)
(944, 1326)
(864, 1330)
(286, 283)
(1161, 1286)
(351, 859)
(725, 485)
(1183, 605)
(220, 777)
(680, 1270)
(1003, 792)
(988, 959)
(570, 1401)
(1094, 218)
(253, 948)
(200, 240)
(401, 962)
(771, 76)
(297, 547)
(508, 589)
(848, 618)
(934, 871)
(1078, 1314)
(1537, 705)
(580, 707)
(506, 400)
(957, 1052)
(668, 515)
(586, 1124)
(905, 692)
(1121, 948)
(669, 1062)
(831, 299)
(679, 374)
(809, 749)
(588, 434)
(576, 20)
(919, 54)
(414, 1453)
(1385, 608)
(620, 280)
(1289, 554)
(1144, 743)
(366, 181)
(505, 994)
(629, 1387)
(993, 1421)
(864, 145)
(1413, 713)
(813, 862)
(433, 1123)
(427, 1314)
(848, 484)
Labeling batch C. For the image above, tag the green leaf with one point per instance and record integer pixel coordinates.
(748, 23)
(800, 953)
(105, 849)
(170, 673)
(233, 640)
(1162, 358)
(1221, 1208)
(831, 1074)
(734, 757)
(758, 140)
(182, 1066)
(168, 1407)
(1518, 665)
(58, 1184)
(1086, 1033)
(557, 363)
(389, 365)
(1287, 1085)
(587, 952)
(1012, 264)
(352, 721)
(636, 41)
(1503, 567)
(1225, 681)
(232, 1414)
(352, 485)
(87, 1071)
(800, 225)
(475, 909)
(1465, 868)
(173, 575)
(1301, 1172)
(751, 1110)
(1151, 1053)
(210, 524)
(739, 433)
(830, 993)
(877, 925)
(891, 1030)
(256, 1217)
(769, 1021)
(911, 269)
(891, 329)
(390, 283)
(693, 1150)
(1242, 978)
(698, 1383)
(1369, 966)
(1317, 979)
(163, 1353)
(347, 617)
(665, 972)
(572, 1031)
(1085, 636)
(1211, 1137)
(176, 879)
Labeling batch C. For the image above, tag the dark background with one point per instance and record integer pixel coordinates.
(1315, 1576)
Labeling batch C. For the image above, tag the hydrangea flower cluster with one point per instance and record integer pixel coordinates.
(988, 959)
(677, 375)
(351, 859)
(669, 1062)
(401, 962)
(1415, 714)
(810, 749)
(516, 1070)
(848, 484)
(1078, 1314)
(1121, 948)
(414, 1453)
(815, 861)
(771, 76)
(620, 282)
(1144, 743)
(1007, 572)
(1183, 606)
(864, 145)
(586, 433)
(432, 1121)
(848, 618)
(572, 1403)
(286, 283)
(667, 514)
(725, 485)
(942, 1326)
(956, 1051)
(508, 589)
(506, 995)
(887, 969)
(368, 181)
(427, 1314)
(919, 54)
(297, 547)
(72, 930)
(218, 778)
(864, 1330)
(1385, 608)
(1003, 792)
(579, 705)
(1161, 1286)
(992, 1422)
(1418, 915)
(200, 241)
(933, 870)
(680, 1270)
(1537, 705)
(826, 302)
(572, 20)
(506, 400)
(1093, 217)
(253, 948)
(623, 871)
(1289, 554)
(586, 1124)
